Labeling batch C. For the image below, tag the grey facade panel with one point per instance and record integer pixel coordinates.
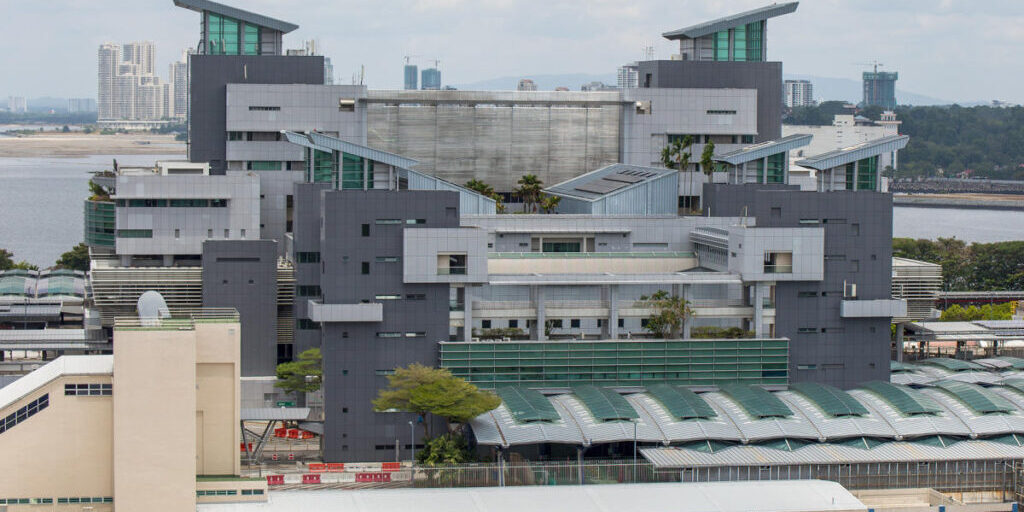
(242, 274)
(766, 77)
(210, 75)
(824, 346)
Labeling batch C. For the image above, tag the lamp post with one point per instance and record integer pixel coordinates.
(412, 441)
(635, 421)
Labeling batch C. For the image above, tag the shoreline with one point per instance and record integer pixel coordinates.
(971, 201)
(70, 145)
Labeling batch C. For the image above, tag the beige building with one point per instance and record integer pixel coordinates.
(153, 427)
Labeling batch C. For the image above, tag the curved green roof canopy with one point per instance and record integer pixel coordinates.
(605, 404)
(976, 397)
(834, 401)
(906, 400)
(680, 402)
(527, 405)
(756, 401)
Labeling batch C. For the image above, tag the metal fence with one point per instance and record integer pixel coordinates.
(1003, 476)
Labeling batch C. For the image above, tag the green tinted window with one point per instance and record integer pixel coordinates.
(352, 172)
(264, 165)
(323, 167)
(867, 173)
(739, 44)
(850, 176)
(135, 233)
(754, 41)
(776, 171)
(720, 45)
(251, 40)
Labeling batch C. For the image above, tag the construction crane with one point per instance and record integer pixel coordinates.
(437, 63)
(409, 58)
(874, 63)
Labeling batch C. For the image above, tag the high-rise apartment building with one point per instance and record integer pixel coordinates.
(880, 89)
(627, 76)
(178, 79)
(129, 90)
(431, 79)
(17, 104)
(142, 54)
(799, 93)
(81, 105)
(525, 84)
(411, 77)
(109, 58)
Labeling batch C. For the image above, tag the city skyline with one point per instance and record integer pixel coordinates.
(512, 39)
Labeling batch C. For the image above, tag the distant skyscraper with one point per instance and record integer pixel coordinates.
(109, 60)
(81, 105)
(526, 84)
(880, 89)
(179, 86)
(431, 79)
(17, 104)
(142, 54)
(597, 86)
(799, 93)
(411, 77)
(627, 76)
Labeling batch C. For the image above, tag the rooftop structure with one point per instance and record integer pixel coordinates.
(228, 30)
(855, 167)
(619, 189)
(737, 37)
(764, 162)
(917, 282)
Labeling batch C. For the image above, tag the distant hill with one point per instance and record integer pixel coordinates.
(845, 89)
(544, 82)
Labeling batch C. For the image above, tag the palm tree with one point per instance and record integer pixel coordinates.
(677, 156)
(548, 203)
(488, 191)
(707, 159)
(529, 190)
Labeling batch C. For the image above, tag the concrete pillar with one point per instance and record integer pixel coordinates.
(684, 293)
(760, 292)
(899, 342)
(366, 174)
(537, 293)
(613, 312)
(467, 308)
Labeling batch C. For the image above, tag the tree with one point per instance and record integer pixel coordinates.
(487, 191)
(549, 203)
(670, 316)
(75, 259)
(6, 259)
(529, 191)
(707, 159)
(424, 390)
(302, 376)
(450, 448)
(98, 192)
(676, 155)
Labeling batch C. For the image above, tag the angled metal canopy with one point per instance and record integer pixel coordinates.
(238, 14)
(764, 149)
(853, 153)
(323, 142)
(735, 20)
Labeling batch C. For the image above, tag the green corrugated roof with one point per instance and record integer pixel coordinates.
(938, 441)
(527, 405)
(953, 365)
(1018, 363)
(680, 402)
(605, 404)
(788, 445)
(756, 401)
(907, 401)
(834, 401)
(976, 397)
(706, 446)
(898, 367)
(1015, 384)
(1010, 439)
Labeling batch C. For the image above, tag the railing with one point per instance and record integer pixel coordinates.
(454, 305)
(768, 303)
(778, 269)
(587, 255)
(451, 271)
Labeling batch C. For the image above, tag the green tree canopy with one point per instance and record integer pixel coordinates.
(75, 259)
(302, 376)
(529, 191)
(670, 315)
(450, 448)
(424, 390)
(982, 267)
(7, 262)
(486, 190)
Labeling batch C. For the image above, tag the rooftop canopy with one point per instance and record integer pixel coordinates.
(764, 149)
(323, 142)
(854, 153)
(608, 180)
(238, 14)
(732, 21)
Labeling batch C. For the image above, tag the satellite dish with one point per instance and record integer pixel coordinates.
(152, 307)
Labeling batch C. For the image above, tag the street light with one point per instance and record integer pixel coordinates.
(412, 441)
(635, 422)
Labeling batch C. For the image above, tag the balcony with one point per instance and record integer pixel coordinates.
(455, 305)
(451, 271)
(778, 269)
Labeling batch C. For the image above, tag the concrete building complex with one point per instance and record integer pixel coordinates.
(799, 93)
(846, 131)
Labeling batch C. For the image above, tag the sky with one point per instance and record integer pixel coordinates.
(960, 50)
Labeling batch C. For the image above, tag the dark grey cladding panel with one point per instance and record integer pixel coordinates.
(208, 79)
(242, 274)
(766, 77)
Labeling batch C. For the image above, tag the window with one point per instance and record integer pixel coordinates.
(135, 233)
(747, 139)
(227, 233)
(354, 170)
(209, 233)
(806, 294)
(622, 322)
(263, 165)
(263, 108)
(416, 296)
(366, 267)
(418, 334)
(720, 112)
(806, 367)
(88, 389)
(855, 229)
(305, 323)
(24, 413)
(415, 221)
(485, 324)
(308, 291)
(389, 335)
(252, 492)
(600, 323)
(833, 330)
(643, 107)
(218, 203)
(574, 323)
(556, 323)
(513, 323)
(835, 257)
(561, 247)
(177, 233)
(387, 221)
(307, 257)
(387, 297)
(451, 264)
(147, 203)
(387, 259)
(366, 230)
(720, 45)
(235, 135)
(189, 203)
(810, 221)
(346, 105)
(806, 330)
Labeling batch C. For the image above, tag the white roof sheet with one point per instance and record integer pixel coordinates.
(911, 426)
(755, 429)
(64, 365)
(872, 425)
(777, 496)
(499, 428)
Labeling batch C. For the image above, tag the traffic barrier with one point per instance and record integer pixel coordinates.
(275, 479)
(312, 478)
(273, 457)
(390, 466)
(317, 468)
(242, 446)
(293, 433)
(401, 476)
(291, 456)
(373, 477)
(305, 434)
(335, 467)
(280, 432)
(364, 467)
